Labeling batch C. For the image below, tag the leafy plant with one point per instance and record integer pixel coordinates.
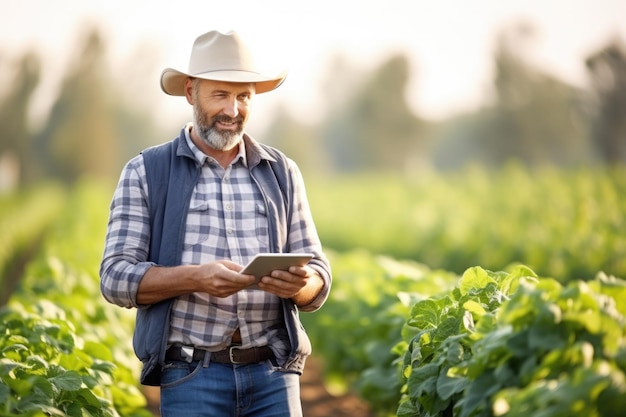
(63, 349)
(22, 225)
(516, 345)
(46, 369)
(357, 328)
(562, 223)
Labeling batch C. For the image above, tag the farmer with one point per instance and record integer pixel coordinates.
(185, 217)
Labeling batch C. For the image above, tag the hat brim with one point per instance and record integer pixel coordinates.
(173, 81)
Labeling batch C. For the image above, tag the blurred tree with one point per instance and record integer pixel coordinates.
(79, 137)
(135, 91)
(534, 118)
(15, 132)
(367, 124)
(373, 128)
(607, 69)
(98, 122)
(537, 118)
(299, 141)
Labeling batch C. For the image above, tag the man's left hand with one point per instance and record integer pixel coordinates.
(300, 283)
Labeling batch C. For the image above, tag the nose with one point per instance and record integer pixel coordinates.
(231, 108)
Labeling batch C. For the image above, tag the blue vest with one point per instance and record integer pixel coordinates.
(172, 173)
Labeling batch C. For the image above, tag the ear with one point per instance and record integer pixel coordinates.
(189, 90)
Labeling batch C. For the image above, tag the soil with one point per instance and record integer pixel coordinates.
(316, 400)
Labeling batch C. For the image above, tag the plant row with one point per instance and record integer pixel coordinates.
(24, 217)
(482, 344)
(410, 339)
(566, 224)
(511, 344)
(64, 351)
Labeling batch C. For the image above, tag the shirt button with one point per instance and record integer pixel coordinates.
(229, 206)
(229, 231)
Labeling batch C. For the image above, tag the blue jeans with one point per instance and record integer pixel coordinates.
(259, 390)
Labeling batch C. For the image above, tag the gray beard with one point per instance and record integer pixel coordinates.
(221, 141)
(212, 136)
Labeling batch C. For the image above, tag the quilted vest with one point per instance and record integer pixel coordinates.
(172, 173)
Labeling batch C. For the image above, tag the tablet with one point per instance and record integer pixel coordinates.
(264, 263)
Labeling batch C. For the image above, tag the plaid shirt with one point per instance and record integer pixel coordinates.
(226, 220)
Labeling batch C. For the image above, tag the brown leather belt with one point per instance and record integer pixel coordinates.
(232, 355)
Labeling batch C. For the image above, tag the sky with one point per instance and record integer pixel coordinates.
(449, 42)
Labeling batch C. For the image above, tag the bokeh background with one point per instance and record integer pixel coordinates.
(396, 85)
(434, 137)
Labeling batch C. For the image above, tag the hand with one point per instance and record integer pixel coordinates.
(287, 284)
(222, 278)
(219, 278)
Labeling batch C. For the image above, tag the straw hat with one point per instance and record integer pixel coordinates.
(220, 57)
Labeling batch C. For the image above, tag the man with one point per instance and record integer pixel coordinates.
(185, 217)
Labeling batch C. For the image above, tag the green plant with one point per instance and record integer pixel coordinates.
(22, 225)
(357, 328)
(565, 224)
(63, 349)
(517, 345)
(46, 369)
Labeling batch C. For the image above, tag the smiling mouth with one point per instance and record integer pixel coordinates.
(227, 123)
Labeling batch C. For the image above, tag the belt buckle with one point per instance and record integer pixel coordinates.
(186, 353)
(231, 357)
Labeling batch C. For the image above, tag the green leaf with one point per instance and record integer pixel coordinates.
(472, 278)
(37, 364)
(448, 385)
(423, 380)
(449, 327)
(454, 351)
(5, 393)
(104, 366)
(76, 409)
(77, 360)
(69, 381)
(88, 397)
(516, 273)
(98, 350)
(407, 409)
(477, 394)
(43, 387)
(544, 337)
(474, 307)
(424, 315)
(15, 351)
(8, 365)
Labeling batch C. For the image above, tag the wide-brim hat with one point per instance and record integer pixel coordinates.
(220, 57)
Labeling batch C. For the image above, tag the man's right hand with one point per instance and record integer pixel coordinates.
(218, 278)
(222, 278)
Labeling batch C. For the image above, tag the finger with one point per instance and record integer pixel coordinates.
(301, 271)
(233, 266)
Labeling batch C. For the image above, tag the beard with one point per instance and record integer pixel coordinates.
(207, 130)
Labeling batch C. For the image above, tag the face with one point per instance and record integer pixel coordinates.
(220, 111)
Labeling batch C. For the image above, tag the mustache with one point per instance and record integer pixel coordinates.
(226, 119)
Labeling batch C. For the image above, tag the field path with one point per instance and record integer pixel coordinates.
(317, 402)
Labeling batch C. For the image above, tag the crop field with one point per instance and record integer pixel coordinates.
(563, 224)
(474, 294)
